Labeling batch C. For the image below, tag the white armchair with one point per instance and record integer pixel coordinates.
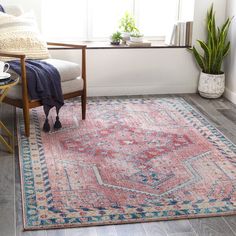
(73, 77)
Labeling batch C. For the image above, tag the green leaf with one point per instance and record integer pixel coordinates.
(207, 52)
(226, 50)
(199, 59)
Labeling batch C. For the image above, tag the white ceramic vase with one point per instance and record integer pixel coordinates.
(211, 86)
(125, 36)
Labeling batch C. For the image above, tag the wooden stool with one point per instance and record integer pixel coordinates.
(4, 90)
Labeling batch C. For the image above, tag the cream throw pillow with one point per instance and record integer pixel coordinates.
(20, 34)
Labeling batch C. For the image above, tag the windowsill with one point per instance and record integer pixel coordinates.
(107, 45)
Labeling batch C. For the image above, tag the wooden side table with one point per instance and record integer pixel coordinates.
(3, 92)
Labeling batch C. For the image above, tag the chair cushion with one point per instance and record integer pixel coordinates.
(77, 84)
(67, 70)
(19, 34)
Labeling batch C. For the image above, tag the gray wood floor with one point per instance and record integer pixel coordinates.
(220, 112)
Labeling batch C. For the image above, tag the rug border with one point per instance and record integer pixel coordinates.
(117, 222)
(20, 172)
(120, 222)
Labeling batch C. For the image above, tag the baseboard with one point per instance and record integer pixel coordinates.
(139, 90)
(230, 95)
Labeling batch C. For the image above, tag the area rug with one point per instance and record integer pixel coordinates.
(132, 160)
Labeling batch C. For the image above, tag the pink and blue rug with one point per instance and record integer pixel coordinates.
(131, 160)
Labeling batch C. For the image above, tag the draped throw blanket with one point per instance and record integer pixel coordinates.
(2, 9)
(44, 83)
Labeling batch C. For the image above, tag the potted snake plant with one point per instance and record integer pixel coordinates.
(215, 49)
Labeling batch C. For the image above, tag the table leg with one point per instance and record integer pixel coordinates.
(3, 94)
(5, 143)
(2, 140)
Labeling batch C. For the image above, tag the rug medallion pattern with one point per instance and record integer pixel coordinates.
(131, 160)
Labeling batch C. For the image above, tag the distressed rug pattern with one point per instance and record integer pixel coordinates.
(131, 160)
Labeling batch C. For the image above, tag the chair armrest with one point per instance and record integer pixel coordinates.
(15, 55)
(66, 45)
(73, 46)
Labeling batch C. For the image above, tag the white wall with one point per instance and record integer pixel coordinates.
(201, 7)
(140, 71)
(137, 71)
(231, 60)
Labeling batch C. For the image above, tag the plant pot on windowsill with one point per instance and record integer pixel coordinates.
(136, 37)
(115, 43)
(116, 38)
(125, 36)
(211, 86)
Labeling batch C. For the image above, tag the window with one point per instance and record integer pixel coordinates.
(90, 20)
(154, 17)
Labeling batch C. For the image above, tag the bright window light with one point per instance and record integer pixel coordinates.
(93, 20)
(156, 16)
(65, 19)
(186, 10)
(106, 14)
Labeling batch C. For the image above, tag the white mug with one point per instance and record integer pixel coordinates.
(2, 67)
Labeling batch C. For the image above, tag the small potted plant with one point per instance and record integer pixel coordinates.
(127, 26)
(116, 38)
(136, 37)
(215, 49)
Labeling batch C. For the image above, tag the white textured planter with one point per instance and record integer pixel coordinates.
(125, 36)
(211, 86)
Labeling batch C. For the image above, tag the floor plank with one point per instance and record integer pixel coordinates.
(6, 174)
(231, 221)
(32, 233)
(7, 188)
(82, 232)
(106, 230)
(130, 230)
(229, 114)
(7, 222)
(61, 232)
(177, 226)
(154, 228)
(183, 234)
(211, 227)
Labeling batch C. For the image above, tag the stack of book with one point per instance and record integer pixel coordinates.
(139, 44)
(181, 34)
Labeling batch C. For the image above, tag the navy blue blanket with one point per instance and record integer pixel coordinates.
(44, 83)
(2, 9)
(43, 80)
